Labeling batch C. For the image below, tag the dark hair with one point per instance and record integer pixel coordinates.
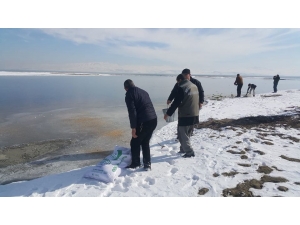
(238, 74)
(186, 71)
(180, 77)
(128, 84)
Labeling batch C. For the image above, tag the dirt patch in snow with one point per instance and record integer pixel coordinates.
(242, 189)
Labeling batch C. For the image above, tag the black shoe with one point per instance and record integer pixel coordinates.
(147, 168)
(133, 166)
(180, 152)
(188, 155)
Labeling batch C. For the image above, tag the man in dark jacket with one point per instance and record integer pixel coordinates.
(239, 83)
(187, 102)
(275, 83)
(143, 121)
(187, 73)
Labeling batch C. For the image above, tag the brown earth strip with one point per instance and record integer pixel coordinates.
(244, 164)
(276, 168)
(290, 159)
(235, 152)
(259, 152)
(203, 191)
(264, 169)
(282, 188)
(230, 174)
(242, 189)
(256, 122)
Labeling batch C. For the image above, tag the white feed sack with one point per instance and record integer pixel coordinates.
(110, 167)
(125, 151)
(121, 157)
(106, 173)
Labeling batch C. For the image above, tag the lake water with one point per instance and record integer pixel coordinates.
(89, 110)
(24, 98)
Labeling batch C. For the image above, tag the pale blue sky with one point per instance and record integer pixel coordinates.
(165, 51)
(252, 44)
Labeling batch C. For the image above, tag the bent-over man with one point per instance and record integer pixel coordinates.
(251, 87)
(143, 121)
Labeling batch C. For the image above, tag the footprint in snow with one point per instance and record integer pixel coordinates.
(147, 182)
(173, 171)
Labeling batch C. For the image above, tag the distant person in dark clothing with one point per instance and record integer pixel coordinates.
(143, 121)
(251, 87)
(239, 83)
(275, 83)
(187, 102)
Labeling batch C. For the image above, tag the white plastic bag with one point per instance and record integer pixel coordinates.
(110, 167)
(121, 157)
(106, 173)
(125, 151)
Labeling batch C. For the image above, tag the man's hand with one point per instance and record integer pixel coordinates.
(133, 133)
(166, 117)
(168, 102)
(200, 105)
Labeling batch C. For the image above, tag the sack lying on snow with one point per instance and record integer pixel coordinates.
(110, 167)
(125, 151)
(106, 173)
(121, 157)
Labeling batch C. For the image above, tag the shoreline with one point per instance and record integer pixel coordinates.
(52, 156)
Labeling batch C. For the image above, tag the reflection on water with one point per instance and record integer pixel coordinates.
(39, 108)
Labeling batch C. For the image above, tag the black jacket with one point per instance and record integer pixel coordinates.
(251, 86)
(194, 81)
(139, 105)
(276, 79)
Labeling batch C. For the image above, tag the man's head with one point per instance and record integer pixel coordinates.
(238, 75)
(249, 84)
(186, 74)
(179, 78)
(128, 84)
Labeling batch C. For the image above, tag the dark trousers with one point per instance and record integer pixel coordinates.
(275, 87)
(239, 89)
(144, 132)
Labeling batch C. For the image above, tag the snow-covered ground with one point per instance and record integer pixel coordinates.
(172, 175)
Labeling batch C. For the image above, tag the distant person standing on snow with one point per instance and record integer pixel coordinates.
(275, 83)
(239, 83)
(251, 87)
(143, 121)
